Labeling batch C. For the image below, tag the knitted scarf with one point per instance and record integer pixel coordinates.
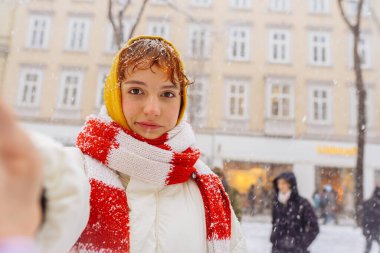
(171, 159)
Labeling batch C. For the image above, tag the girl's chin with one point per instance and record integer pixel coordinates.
(147, 133)
(150, 135)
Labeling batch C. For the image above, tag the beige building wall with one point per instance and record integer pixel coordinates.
(7, 11)
(55, 58)
(268, 144)
(220, 16)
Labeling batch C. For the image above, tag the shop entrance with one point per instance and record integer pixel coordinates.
(340, 182)
(254, 179)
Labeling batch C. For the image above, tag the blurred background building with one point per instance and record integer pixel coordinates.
(274, 86)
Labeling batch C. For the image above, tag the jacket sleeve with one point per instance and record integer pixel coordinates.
(311, 227)
(67, 192)
(238, 242)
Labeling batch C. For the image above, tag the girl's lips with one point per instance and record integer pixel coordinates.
(148, 125)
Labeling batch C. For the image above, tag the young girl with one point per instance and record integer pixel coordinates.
(135, 182)
(150, 192)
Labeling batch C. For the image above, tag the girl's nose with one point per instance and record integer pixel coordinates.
(152, 107)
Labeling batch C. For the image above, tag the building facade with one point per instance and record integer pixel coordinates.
(7, 14)
(273, 81)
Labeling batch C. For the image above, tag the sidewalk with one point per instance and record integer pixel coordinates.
(342, 238)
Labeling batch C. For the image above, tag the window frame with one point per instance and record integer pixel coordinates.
(163, 23)
(369, 107)
(238, 42)
(158, 2)
(71, 37)
(238, 83)
(367, 48)
(101, 78)
(45, 32)
(281, 82)
(352, 9)
(326, 46)
(110, 43)
(39, 72)
(206, 52)
(280, 5)
(237, 4)
(203, 4)
(316, 8)
(285, 44)
(329, 104)
(64, 74)
(203, 93)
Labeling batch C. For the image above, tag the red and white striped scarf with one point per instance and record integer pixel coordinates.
(170, 159)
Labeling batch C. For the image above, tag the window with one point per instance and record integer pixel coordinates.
(111, 42)
(201, 3)
(158, 28)
(198, 98)
(241, 4)
(69, 95)
(354, 107)
(279, 46)
(279, 5)
(319, 6)
(159, 2)
(364, 48)
(199, 41)
(103, 72)
(39, 31)
(30, 87)
(279, 98)
(319, 48)
(236, 106)
(122, 2)
(77, 38)
(320, 105)
(239, 43)
(353, 8)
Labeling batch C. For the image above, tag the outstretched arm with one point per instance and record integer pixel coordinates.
(28, 163)
(20, 187)
(20, 180)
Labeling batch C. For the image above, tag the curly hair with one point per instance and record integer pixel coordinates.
(144, 53)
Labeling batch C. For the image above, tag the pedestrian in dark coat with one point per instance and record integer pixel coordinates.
(295, 225)
(371, 220)
(251, 200)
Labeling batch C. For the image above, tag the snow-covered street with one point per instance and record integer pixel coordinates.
(331, 239)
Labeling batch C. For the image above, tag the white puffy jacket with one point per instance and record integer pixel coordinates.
(168, 219)
(67, 193)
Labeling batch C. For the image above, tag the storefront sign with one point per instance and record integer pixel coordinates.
(332, 150)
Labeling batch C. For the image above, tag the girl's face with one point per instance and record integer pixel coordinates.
(150, 102)
(283, 186)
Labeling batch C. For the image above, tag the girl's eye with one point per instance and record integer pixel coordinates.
(168, 94)
(135, 91)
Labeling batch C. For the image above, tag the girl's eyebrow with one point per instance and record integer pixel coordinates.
(134, 82)
(170, 87)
